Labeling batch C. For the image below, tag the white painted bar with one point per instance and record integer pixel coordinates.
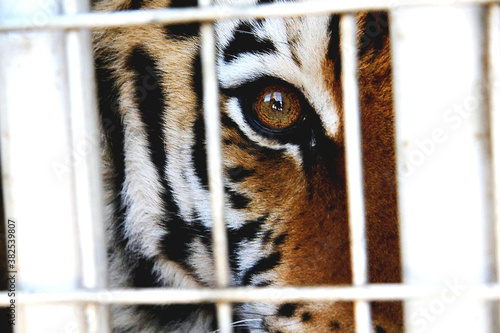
(83, 114)
(384, 292)
(214, 155)
(35, 126)
(442, 143)
(210, 14)
(493, 72)
(354, 166)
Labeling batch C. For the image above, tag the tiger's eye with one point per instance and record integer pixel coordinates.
(277, 107)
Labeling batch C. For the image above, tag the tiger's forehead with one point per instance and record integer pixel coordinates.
(291, 49)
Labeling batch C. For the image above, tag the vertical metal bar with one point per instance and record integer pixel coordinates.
(212, 125)
(443, 173)
(354, 165)
(493, 95)
(37, 177)
(89, 203)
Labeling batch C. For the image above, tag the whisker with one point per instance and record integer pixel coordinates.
(246, 320)
(240, 323)
(291, 324)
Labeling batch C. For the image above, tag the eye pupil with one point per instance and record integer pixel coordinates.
(277, 107)
(275, 100)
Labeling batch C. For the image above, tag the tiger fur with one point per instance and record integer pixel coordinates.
(285, 193)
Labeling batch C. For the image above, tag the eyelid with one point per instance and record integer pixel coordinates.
(252, 87)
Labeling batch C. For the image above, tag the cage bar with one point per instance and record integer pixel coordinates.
(493, 72)
(442, 146)
(354, 166)
(214, 155)
(212, 13)
(85, 139)
(382, 292)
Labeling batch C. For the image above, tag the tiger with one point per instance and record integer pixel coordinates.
(283, 158)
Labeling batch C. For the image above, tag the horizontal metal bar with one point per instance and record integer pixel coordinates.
(379, 292)
(209, 14)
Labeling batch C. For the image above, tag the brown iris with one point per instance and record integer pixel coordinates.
(277, 107)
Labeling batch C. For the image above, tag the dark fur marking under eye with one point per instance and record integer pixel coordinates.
(108, 98)
(267, 236)
(136, 4)
(287, 310)
(199, 152)
(141, 270)
(150, 98)
(179, 31)
(263, 284)
(252, 147)
(143, 276)
(176, 244)
(379, 329)
(280, 239)
(375, 31)
(248, 231)
(263, 265)
(183, 30)
(245, 41)
(197, 80)
(334, 44)
(306, 316)
(238, 200)
(167, 315)
(122, 330)
(199, 149)
(335, 325)
(237, 174)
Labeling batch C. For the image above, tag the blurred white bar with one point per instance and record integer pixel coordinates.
(442, 143)
(214, 155)
(209, 14)
(39, 195)
(88, 185)
(493, 68)
(354, 166)
(493, 72)
(384, 292)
